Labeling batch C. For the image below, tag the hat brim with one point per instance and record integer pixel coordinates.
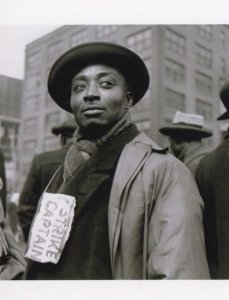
(174, 130)
(128, 63)
(224, 116)
(63, 131)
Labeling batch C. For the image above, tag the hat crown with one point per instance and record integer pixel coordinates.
(188, 119)
(224, 95)
(67, 127)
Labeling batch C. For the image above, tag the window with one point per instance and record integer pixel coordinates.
(51, 143)
(203, 83)
(29, 149)
(205, 109)
(205, 32)
(140, 41)
(54, 51)
(33, 82)
(203, 56)
(175, 42)
(34, 60)
(78, 38)
(105, 30)
(222, 38)
(31, 104)
(174, 71)
(173, 101)
(51, 121)
(223, 67)
(30, 127)
(50, 103)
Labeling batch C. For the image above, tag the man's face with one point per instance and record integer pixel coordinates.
(99, 97)
(176, 146)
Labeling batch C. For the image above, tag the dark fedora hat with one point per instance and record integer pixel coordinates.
(67, 128)
(128, 63)
(186, 125)
(224, 96)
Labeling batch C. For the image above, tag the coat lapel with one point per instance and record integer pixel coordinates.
(125, 173)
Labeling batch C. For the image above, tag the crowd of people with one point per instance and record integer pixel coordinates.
(112, 203)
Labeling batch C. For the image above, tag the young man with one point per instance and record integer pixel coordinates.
(120, 207)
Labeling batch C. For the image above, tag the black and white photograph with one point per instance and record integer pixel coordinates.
(114, 142)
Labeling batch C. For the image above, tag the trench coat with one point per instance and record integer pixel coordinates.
(212, 177)
(154, 194)
(154, 214)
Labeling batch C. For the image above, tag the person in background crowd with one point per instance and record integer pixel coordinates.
(43, 166)
(12, 262)
(212, 177)
(3, 188)
(185, 137)
(120, 207)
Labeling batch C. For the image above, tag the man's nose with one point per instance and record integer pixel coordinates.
(92, 93)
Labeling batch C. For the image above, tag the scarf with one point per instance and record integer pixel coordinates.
(82, 148)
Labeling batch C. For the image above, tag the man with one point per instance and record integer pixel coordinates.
(120, 207)
(185, 137)
(3, 189)
(213, 180)
(43, 166)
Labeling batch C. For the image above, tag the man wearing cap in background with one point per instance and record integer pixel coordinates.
(43, 167)
(213, 181)
(185, 137)
(111, 211)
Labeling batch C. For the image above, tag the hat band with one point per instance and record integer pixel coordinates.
(188, 125)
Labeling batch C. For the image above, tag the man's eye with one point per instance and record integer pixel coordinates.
(78, 86)
(106, 83)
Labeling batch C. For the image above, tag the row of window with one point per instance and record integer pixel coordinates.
(31, 125)
(138, 42)
(176, 72)
(176, 101)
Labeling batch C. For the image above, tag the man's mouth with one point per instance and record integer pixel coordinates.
(92, 110)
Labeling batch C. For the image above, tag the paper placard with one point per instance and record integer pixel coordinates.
(51, 228)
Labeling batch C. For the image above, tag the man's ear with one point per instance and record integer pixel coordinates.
(130, 100)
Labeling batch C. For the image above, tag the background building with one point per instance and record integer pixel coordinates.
(10, 114)
(187, 65)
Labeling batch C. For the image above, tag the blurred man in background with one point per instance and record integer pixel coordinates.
(43, 167)
(185, 137)
(213, 181)
(3, 189)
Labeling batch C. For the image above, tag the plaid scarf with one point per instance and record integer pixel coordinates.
(82, 148)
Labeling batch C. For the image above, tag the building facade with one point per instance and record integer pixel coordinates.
(187, 65)
(10, 118)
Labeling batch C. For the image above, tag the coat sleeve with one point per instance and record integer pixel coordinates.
(29, 197)
(176, 247)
